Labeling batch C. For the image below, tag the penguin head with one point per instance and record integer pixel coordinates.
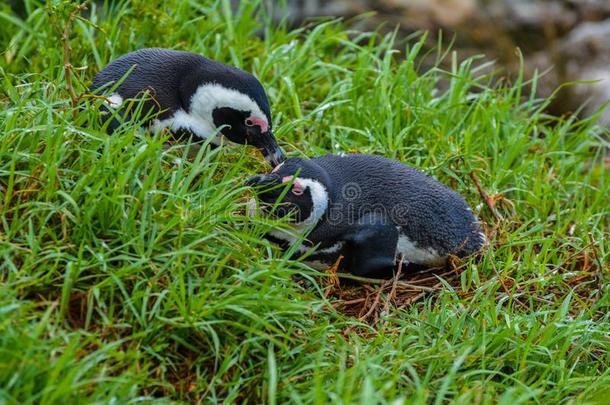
(296, 190)
(237, 107)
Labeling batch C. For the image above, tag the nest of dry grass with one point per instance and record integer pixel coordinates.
(368, 299)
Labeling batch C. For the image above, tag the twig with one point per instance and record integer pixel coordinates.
(91, 23)
(333, 279)
(573, 255)
(413, 299)
(419, 296)
(364, 306)
(488, 200)
(422, 294)
(361, 279)
(392, 295)
(375, 303)
(382, 281)
(435, 277)
(68, 50)
(350, 302)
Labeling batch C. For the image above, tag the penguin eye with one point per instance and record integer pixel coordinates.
(249, 122)
(297, 188)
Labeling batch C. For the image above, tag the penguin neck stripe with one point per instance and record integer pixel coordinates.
(210, 96)
(319, 197)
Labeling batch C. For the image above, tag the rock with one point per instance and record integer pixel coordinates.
(570, 36)
(585, 53)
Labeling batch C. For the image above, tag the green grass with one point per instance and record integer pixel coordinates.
(128, 276)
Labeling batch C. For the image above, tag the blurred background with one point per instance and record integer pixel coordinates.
(566, 40)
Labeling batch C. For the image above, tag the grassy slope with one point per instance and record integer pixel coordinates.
(125, 275)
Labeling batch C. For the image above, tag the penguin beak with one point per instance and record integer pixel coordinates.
(267, 144)
(264, 180)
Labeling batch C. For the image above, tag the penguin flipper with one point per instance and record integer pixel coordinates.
(371, 248)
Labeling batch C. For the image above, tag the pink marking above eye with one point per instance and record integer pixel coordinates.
(297, 188)
(260, 122)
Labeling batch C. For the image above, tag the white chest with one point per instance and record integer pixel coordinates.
(183, 120)
(417, 255)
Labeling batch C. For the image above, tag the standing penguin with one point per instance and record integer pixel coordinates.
(369, 209)
(192, 96)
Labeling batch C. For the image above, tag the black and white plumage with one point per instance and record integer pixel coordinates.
(371, 210)
(191, 95)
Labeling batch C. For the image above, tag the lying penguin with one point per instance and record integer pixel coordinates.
(192, 96)
(371, 210)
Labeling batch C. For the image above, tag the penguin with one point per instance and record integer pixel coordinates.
(373, 211)
(193, 96)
